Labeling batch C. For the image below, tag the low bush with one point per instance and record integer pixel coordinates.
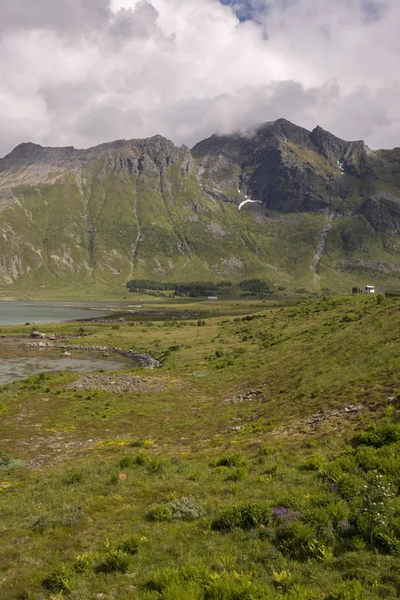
(160, 512)
(130, 545)
(244, 516)
(83, 562)
(126, 461)
(60, 580)
(185, 508)
(231, 460)
(382, 434)
(73, 477)
(115, 561)
(238, 474)
(9, 464)
(347, 590)
(299, 541)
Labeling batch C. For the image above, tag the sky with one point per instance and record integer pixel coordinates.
(82, 72)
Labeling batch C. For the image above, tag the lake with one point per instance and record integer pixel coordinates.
(18, 313)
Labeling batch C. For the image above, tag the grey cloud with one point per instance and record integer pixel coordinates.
(139, 22)
(55, 15)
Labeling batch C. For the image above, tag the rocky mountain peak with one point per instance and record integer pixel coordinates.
(286, 130)
(327, 144)
(28, 153)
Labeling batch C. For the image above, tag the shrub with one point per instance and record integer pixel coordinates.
(160, 512)
(83, 562)
(165, 578)
(130, 545)
(347, 590)
(73, 477)
(376, 508)
(115, 561)
(186, 509)
(196, 582)
(298, 540)
(387, 542)
(137, 444)
(126, 461)
(382, 434)
(8, 463)
(238, 474)
(245, 516)
(4, 460)
(315, 462)
(283, 515)
(41, 523)
(141, 460)
(265, 450)
(152, 464)
(231, 460)
(60, 580)
(72, 517)
(283, 580)
(156, 465)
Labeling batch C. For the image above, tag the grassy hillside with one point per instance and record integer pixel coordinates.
(249, 466)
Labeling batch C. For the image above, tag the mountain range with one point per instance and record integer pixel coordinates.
(325, 212)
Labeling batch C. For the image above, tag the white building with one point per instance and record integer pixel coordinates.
(369, 289)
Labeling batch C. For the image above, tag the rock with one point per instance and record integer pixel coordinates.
(37, 335)
(66, 354)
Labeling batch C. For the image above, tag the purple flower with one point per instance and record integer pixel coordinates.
(343, 526)
(285, 515)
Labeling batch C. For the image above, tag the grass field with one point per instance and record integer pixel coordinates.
(261, 461)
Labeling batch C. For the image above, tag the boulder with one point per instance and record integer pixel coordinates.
(37, 335)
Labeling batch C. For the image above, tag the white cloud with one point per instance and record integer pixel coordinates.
(86, 71)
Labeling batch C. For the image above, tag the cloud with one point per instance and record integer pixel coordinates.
(81, 72)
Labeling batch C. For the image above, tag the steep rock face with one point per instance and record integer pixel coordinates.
(383, 213)
(285, 167)
(328, 145)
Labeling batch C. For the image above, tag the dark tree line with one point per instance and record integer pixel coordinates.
(198, 288)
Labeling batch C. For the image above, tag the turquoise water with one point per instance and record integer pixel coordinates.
(18, 313)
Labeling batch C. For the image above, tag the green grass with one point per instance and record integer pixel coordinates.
(237, 470)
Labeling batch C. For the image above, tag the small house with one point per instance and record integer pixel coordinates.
(369, 289)
(356, 290)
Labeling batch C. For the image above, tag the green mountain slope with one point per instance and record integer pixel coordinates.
(327, 212)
